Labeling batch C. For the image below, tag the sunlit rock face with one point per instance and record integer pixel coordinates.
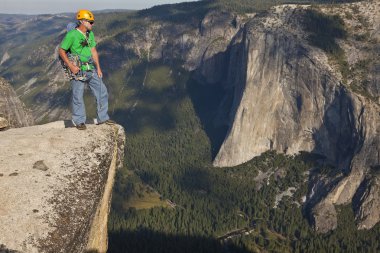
(288, 96)
(55, 186)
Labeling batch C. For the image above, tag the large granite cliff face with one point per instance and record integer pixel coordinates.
(11, 107)
(290, 97)
(56, 185)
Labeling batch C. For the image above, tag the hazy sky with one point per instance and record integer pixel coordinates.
(59, 6)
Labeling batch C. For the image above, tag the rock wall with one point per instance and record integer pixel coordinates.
(11, 107)
(56, 186)
(290, 97)
(281, 92)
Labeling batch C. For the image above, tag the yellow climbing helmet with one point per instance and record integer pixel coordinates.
(85, 14)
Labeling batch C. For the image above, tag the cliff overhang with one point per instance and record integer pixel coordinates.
(56, 186)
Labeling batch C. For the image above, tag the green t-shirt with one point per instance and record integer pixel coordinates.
(73, 43)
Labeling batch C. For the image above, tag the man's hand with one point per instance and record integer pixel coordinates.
(95, 56)
(74, 68)
(100, 73)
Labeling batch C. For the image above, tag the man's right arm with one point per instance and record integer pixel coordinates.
(74, 69)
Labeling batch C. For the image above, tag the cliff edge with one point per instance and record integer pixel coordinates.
(56, 186)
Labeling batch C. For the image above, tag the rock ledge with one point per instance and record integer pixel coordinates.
(56, 185)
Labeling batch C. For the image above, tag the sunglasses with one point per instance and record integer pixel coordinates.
(91, 22)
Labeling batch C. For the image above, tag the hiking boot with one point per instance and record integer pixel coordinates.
(108, 122)
(81, 126)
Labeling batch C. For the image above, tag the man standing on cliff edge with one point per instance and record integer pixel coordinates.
(79, 44)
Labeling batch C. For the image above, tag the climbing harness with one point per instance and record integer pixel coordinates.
(70, 75)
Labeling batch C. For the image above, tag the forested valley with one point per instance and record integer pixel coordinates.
(169, 198)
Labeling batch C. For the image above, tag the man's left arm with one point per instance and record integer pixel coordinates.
(95, 56)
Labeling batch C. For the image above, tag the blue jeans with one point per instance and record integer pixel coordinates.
(100, 92)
